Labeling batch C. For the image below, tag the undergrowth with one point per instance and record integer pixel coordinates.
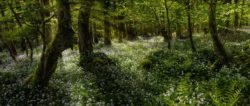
(143, 72)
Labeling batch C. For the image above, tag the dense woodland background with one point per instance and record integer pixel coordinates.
(125, 52)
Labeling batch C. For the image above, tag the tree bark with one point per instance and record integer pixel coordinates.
(45, 27)
(63, 40)
(84, 34)
(218, 47)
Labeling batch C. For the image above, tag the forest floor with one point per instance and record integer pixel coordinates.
(141, 72)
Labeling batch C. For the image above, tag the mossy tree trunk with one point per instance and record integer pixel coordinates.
(45, 26)
(85, 37)
(218, 47)
(107, 30)
(63, 40)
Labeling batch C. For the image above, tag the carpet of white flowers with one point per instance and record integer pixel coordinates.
(151, 75)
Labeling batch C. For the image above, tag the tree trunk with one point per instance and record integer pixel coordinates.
(107, 30)
(227, 22)
(24, 47)
(85, 37)
(12, 50)
(131, 35)
(121, 28)
(94, 33)
(45, 26)
(20, 25)
(168, 30)
(218, 47)
(63, 40)
(236, 15)
(190, 32)
(178, 24)
(242, 13)
(31, 48)
(10, 45)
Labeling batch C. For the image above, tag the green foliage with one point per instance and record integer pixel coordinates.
(140, 73)
(226, 88)
(176, 63)
(182, 94)
(176, 77)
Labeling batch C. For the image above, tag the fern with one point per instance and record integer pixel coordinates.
(226, 97)
(182, 93)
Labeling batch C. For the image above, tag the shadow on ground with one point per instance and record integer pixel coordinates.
(13, 92)
(118, 87)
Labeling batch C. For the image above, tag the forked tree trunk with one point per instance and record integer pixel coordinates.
(85, 37)
(63, 40)
(218, 47)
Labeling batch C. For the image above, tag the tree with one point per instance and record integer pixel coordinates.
(63, 40)
(85, 37)
(190, 32)
(107, 24)
(168, 30)
(17, 18)
(218, 47)
(45, 26)
(227, 21)
(236, 14)
(9, 44)
(178, 23)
